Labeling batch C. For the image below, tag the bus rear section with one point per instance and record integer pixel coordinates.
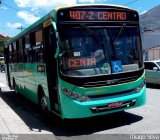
(100, 65)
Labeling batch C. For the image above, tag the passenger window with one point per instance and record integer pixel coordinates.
(14, 52)
(27, 50)
(38, 49)
(20, 51)
(34, 51)
(10, 53)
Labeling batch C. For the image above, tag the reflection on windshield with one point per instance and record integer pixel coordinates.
(84, 55)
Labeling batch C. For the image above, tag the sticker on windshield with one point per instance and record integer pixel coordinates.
(116, 66)
(77, 53)
(107, 67)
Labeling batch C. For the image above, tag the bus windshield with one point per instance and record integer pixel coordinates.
(100, 50)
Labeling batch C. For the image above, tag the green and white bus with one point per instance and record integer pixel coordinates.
(79, 61)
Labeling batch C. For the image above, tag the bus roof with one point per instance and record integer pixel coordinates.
(52, 14)
(90, 5)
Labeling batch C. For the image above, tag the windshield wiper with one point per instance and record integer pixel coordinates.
(122, 28)
(94, 37)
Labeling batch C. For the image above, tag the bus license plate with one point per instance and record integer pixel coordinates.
(115, 105)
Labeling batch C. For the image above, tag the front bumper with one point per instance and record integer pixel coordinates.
(75, 109)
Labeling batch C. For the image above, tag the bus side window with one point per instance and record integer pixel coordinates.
(38, 47)
(20, 51)
(14, 53)
(10, 53)
(32, 43)
(27, 50)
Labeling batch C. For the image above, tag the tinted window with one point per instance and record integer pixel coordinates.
(20, 51)
(27, 50)
(38, 50)
(149, 65)
(14, 52)
(92, 51)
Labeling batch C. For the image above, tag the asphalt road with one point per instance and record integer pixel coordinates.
(19, 116)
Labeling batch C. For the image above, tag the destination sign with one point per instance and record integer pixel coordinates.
(96, 15)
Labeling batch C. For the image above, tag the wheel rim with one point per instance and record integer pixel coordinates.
(44, 103)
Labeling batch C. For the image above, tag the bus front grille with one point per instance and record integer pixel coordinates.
(110, 95)
(110, 82)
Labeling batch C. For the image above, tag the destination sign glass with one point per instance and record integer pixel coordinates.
(97, 15)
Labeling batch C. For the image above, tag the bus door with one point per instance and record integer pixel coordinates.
(51, 66)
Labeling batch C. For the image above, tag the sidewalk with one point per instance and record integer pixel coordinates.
(16, 122)
(14, 126)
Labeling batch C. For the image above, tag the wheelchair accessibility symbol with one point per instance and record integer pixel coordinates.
(116, 66)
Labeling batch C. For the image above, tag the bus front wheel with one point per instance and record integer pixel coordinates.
(42, 101)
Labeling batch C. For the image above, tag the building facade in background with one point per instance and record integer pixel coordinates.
(151, 44)
(152, 53)
(150, 22)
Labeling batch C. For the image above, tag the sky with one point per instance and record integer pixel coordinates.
(17, 13)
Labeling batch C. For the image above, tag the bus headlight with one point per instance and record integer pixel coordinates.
(75, 96)
(140, 87)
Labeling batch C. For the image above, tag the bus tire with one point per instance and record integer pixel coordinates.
(42, 101)
(15, 86)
